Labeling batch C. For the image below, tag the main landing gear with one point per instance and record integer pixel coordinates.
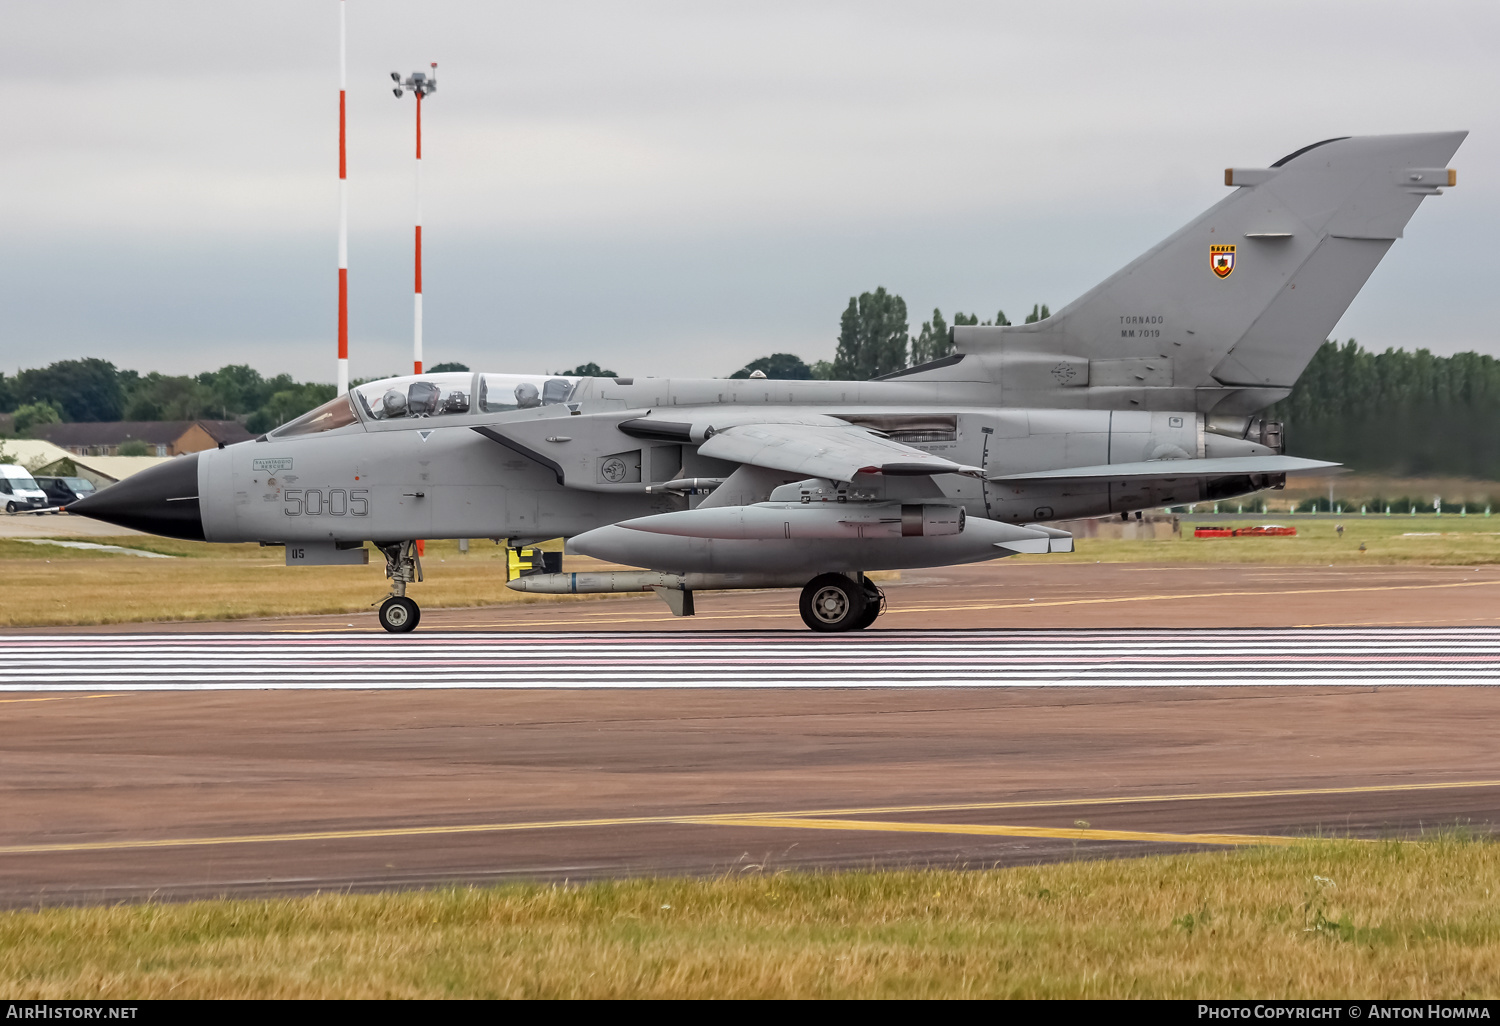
(836, 602)
(399, 614)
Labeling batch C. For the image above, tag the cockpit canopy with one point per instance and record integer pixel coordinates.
(422, 396)
(499, 392)
(335, 413)
(426, 395)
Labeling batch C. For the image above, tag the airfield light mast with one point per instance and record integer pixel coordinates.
(420, 85)
(343, 220)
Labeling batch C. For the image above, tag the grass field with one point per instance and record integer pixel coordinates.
(48, 584)
(1425, 540)
(52, 585)
(1352, 489)
(1333, 918)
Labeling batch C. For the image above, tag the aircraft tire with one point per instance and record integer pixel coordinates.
(832, 603)
(399, 615)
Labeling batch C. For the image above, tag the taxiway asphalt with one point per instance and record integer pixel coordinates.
(1245, 729)
(125, 795)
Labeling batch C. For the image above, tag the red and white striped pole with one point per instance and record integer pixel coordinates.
(421, 85)
(343, 220)
(417, 298)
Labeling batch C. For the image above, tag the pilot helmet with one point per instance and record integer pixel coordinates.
(393, 402)
(527, 395)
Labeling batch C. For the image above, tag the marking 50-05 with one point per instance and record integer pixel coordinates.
(336, 502)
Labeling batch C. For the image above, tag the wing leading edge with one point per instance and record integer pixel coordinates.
(1170, 469)
(834, 453)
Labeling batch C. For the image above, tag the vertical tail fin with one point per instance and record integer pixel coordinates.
(1241, 297)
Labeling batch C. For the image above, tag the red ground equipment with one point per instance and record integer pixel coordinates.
(1272, 530)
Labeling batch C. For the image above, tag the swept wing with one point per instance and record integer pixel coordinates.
(790, 441)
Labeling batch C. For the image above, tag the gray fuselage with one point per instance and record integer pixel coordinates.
(558, 470)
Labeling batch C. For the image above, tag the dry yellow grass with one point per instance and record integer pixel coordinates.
(1331, 919)
(47, 584)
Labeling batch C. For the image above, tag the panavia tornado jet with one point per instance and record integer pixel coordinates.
(1147, 391)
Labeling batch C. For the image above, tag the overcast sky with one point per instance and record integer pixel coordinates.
(677, 188)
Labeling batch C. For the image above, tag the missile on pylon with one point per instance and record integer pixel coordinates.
(606, 582)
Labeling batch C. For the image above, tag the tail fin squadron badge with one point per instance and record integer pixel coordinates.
(1221, 258)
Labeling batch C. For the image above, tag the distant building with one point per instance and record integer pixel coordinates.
(42, 457)
(161, 437)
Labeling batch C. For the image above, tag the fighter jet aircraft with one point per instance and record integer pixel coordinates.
(1146, 391)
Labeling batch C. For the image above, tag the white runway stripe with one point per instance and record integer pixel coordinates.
(1002, 658)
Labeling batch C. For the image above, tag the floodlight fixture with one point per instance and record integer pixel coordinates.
(419, 83)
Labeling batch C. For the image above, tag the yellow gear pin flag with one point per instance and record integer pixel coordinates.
(528, 561)
(521, 563)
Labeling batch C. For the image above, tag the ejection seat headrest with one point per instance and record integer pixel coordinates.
(422, 398)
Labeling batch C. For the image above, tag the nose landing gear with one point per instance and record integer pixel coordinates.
(833, 603)
(399, 614)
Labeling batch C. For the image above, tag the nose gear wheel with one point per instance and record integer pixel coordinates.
(399, 615)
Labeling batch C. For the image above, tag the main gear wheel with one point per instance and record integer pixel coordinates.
(832, 603)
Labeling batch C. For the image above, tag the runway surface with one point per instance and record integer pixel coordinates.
(1076, 658)
(1165, 708)
(114, 795)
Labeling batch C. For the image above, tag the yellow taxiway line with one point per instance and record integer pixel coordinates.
(61, 698)
(807, 820)
(991, 830)
(1053, 803)
(755, 820)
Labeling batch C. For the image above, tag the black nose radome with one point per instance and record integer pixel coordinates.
(162, 500)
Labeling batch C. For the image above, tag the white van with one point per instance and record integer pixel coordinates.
(19, 490)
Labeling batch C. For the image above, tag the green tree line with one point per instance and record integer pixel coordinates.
(1398, 412)
(875, 339)
(95, 390)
